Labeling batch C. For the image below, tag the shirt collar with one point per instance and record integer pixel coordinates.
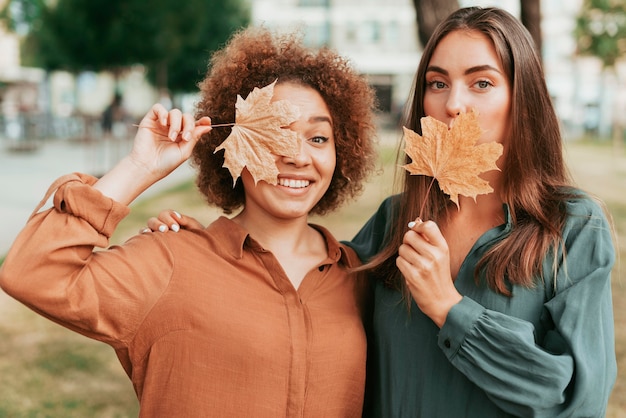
(508, 223)
(233, 239)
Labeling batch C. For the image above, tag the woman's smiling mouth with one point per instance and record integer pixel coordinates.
(292, 183)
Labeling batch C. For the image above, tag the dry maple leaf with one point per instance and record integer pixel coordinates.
(260, 132)
(452, 156)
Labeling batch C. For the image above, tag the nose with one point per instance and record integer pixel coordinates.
(303, 157)
(455, 103)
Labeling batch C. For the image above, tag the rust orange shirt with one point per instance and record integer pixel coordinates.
(205, 323)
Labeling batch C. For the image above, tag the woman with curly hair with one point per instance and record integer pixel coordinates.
(256, 315)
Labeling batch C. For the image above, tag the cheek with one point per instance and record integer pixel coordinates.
(326, 165)
(431, 108)
(329, 166)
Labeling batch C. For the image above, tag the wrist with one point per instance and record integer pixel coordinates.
(440, 317)
(126, 180)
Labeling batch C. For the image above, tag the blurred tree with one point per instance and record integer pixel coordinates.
(188, 32)
(430, 12)
(601, 30)
(171, 38)
(530, 15)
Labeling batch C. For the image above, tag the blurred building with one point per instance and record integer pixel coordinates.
(18, 85)
(378, 36)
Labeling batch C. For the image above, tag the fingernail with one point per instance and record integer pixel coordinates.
(187, 136)
(173, 135)
(177, 214)
(175, 227)
(411, 224)
(163, 228)
(164, 121)
(145, 230)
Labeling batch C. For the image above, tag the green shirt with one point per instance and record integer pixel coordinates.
(547, 351)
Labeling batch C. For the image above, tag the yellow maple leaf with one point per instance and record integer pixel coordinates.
(452, 156)
(260, 132)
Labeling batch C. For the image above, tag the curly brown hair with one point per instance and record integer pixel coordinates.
(255, 57)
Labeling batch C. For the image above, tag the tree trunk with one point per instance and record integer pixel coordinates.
(429, 13)
(530, 11)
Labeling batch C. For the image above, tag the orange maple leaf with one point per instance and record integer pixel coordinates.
(260, 132)
(452, 156)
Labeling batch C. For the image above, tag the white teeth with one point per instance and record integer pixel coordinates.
(294, 184)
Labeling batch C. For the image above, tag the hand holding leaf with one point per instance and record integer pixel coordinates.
(452, 156)
(260, 132)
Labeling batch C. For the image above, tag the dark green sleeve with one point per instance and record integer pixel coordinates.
(572, 370)
(372, 236)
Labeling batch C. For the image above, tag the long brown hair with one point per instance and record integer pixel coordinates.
(535, 178)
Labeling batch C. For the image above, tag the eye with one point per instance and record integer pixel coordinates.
(436, 85)
(319, 139)
(483, 84)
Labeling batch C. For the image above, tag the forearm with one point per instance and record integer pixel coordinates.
(126, 181)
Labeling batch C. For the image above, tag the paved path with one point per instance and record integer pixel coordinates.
(25, 177)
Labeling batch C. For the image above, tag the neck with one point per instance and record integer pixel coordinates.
(274, 234)
(487, 209)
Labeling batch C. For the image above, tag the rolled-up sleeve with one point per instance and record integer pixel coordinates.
(54, 269)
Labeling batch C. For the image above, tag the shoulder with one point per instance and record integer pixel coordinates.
(390, 204)
(582, 208)
(386, 213)
(587, 222)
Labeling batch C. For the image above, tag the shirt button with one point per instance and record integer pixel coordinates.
(446, 343)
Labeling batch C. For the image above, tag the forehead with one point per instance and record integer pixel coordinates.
(465, 48)
(308, 99)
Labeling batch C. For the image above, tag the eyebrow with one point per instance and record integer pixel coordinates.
(320, 119)
(475, 69)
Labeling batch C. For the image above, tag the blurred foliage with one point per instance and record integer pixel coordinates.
(172, 39)
(601, 30)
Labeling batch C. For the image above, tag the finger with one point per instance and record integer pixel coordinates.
(202, 126)
(170, 218)
(145, 230)
(408, 253)
(415, 241)
(158, 113)
(175, 123)
(414, 223)
(204, 121)
(156, 225)
(188, 126)
(431, 232)
(402, 265)
(188, 222)
(408, 271)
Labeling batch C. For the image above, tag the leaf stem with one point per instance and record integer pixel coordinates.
(426, 197)
(219, 125)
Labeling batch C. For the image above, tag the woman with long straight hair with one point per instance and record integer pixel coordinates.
(501, 306)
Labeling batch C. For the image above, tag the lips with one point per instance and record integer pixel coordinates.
(293, 183)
